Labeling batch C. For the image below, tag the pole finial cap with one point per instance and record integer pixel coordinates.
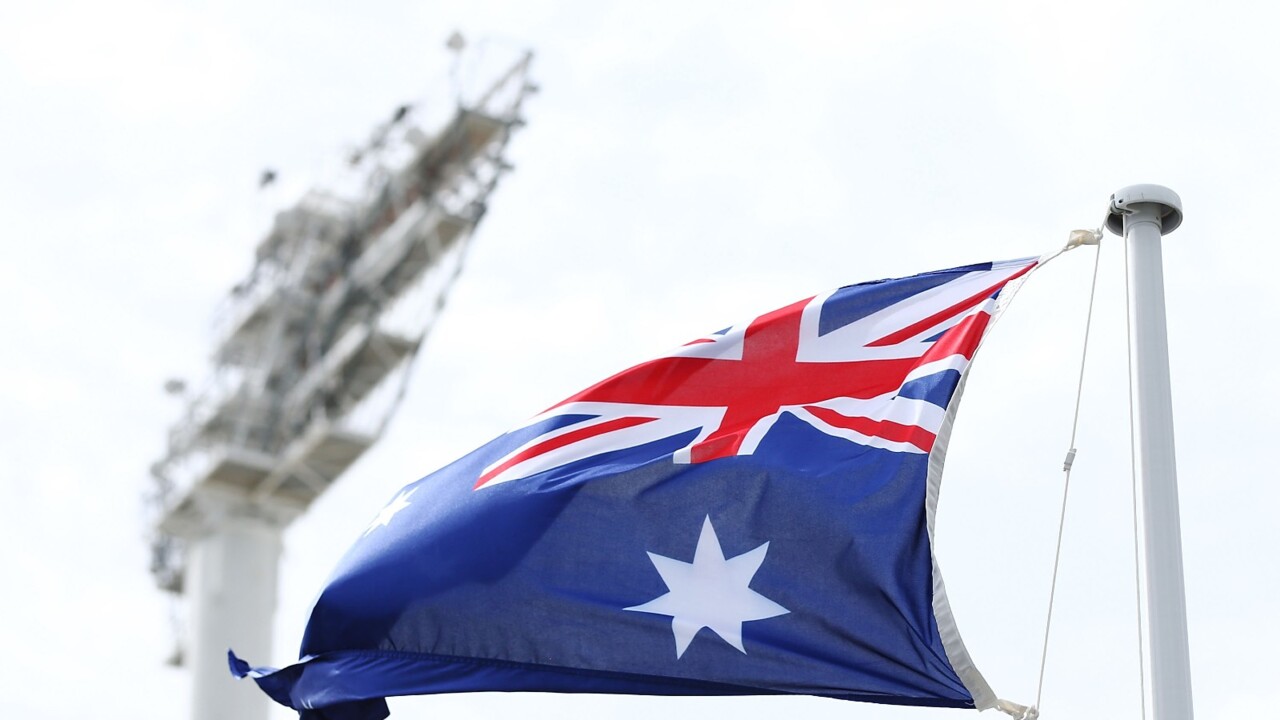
(1170, 206)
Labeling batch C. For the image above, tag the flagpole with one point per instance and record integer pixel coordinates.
(1143, 213)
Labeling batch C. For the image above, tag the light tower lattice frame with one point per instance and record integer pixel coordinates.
(313, 355)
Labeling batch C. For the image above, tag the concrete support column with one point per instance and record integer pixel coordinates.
(232, 590)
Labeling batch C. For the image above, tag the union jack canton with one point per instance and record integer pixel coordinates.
(856, 363)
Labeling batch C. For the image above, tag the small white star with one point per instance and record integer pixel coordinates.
(384, 516)
(710, 592)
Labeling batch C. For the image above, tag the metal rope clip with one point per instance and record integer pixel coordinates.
(1071, 457)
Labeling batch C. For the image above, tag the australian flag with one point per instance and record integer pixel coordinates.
(749, 514)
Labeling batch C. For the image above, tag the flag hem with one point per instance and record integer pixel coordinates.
(317, 683)
(952, 643)
(957, 654)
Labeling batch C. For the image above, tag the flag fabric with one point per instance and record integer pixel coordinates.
(750, 514)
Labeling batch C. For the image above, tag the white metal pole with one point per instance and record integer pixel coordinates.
(1144, 213)
(232, 574)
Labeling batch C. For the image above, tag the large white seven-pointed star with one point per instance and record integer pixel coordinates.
(710, 592)
(384, 516)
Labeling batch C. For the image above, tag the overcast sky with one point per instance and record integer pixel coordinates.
(686, 165)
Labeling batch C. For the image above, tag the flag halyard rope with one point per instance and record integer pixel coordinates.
(1078, 238)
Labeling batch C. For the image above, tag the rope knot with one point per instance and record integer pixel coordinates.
(1016, 711)
(1084, 237)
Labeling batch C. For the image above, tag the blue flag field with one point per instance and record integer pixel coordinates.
(749, 514)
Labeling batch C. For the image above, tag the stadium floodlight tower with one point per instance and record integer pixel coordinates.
(313, 353)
